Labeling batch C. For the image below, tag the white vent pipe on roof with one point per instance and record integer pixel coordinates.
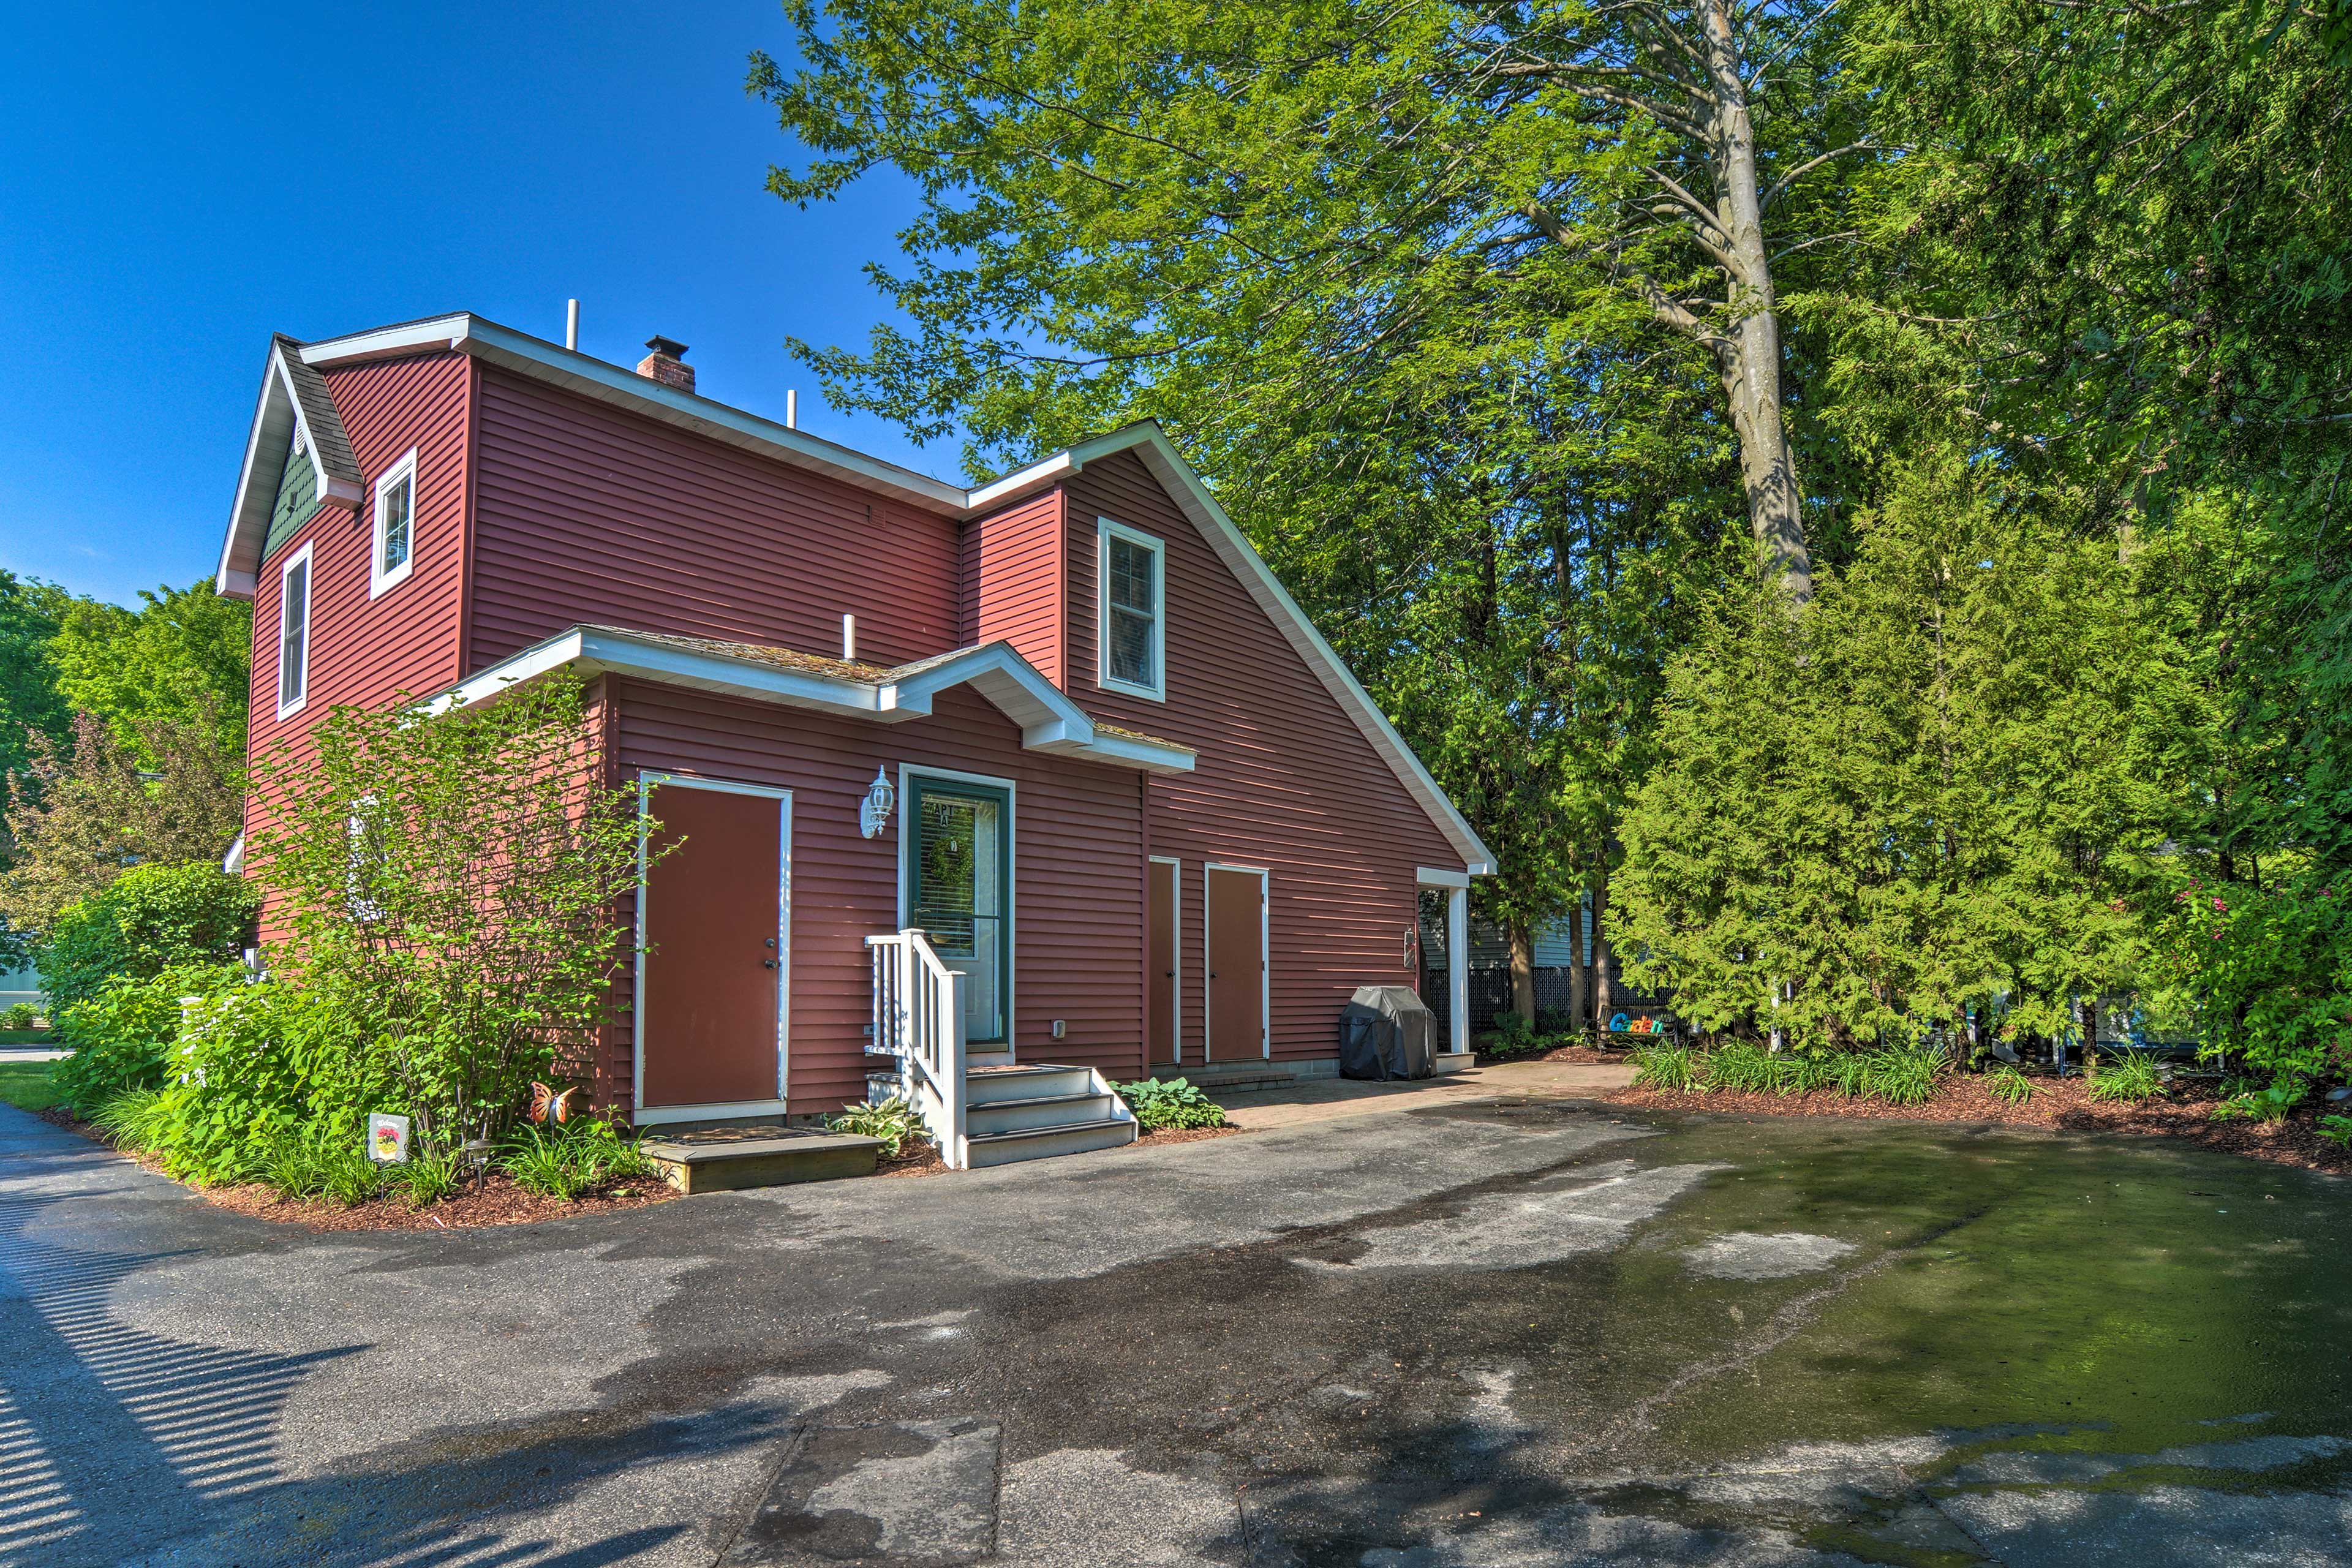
(791, 408)
(572, 325)
(849, 639)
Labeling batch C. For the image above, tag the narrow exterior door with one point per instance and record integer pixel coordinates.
(1236, 949)
(710, 1000)
(1160, 948)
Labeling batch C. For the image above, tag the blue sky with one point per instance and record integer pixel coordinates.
(178, 182)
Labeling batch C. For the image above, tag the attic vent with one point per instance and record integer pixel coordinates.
(300, 446)
(666, 363)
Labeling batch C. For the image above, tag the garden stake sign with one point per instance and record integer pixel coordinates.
(387, 1141)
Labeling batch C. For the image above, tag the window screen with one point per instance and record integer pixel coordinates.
(294, 633)
(1134, 611)
(397, 501)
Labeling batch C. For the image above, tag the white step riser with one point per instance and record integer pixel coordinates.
(1104, 1135)
(980, 1118)
(985, 1088)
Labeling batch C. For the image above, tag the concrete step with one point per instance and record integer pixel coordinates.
(986, 1088)
(1044, 1110)
(718, 1160)
(1044, 1142)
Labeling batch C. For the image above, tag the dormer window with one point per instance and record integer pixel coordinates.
(396, 524)
(1132, 596)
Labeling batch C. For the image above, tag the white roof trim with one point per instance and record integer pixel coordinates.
(1433, 876)
(1049, 721)
(277, 415)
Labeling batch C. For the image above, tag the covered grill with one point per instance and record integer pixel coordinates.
(1386, 1031)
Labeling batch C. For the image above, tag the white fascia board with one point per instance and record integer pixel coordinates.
(436, 334)
(998, 673)
(1152, 757)
(274, 410)
(531, 663)
(1433, 876)
(1159, 455)
(1037, 476)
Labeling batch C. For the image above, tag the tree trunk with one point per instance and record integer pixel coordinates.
(1523, 972)
(1750, 359)
(1580, 981)
(1604, 991)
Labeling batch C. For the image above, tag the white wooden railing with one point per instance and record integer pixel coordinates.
(918, 1018)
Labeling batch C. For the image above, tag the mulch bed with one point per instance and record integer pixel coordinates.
(501, 1201)
(2058, 1105)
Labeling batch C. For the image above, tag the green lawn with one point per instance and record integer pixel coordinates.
(27, 1085)
(28, 1037)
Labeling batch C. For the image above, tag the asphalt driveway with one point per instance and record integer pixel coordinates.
(1486, 1334)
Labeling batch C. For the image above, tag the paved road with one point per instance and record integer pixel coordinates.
(1536, 1332)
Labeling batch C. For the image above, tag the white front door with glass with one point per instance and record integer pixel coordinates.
(959, 892)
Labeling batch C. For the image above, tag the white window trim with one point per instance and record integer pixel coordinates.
(1105, 530)
(310, 629)
(381, 582)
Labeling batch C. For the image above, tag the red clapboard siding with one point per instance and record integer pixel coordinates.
(586, 513)
(1285, 779)
(1078, 872)
(1012, 582)
(366, 652)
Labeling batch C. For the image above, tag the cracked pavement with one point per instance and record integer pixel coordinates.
(1467, 1336)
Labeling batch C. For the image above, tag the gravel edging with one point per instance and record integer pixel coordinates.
(2057, 1105)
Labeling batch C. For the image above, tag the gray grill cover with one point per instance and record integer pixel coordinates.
(1385, 1032)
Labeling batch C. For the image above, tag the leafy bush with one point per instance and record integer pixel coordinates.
(120, 1038)
(1901, 1075)
(1737, 1067)
(2337, 1130)
(20, 1016)
(1514, 1039)
(429, 1176)
(2273, 1103)
(1664, 1066)
(1165, 1104)
(566, 1161)
(149, 919)
(2263, 974)
(2010, 1085)
(2127, 1075)
(131, 1119)
(893, 1121)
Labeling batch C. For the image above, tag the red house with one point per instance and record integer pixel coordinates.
(1049, 774)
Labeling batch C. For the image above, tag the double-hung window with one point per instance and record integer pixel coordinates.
(294, 632)
(1134, 610)
(396, 526)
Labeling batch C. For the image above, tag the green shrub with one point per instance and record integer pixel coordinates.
(1849, 1074)
(2010, 1086)
(2273, 1102)
(1736, 1067)
(1166, 1104)
(148, 920)
(429, 1176)
(1664, 1066)
(2337, 1130)
(548, 1164)
(1901, 1075)
(131, 1119)
(893, 1121)
(20, 1016)
(120, 1038)
(2127, 1075)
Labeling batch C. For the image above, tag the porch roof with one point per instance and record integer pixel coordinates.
(1049, 721)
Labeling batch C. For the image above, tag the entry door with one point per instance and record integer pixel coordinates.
(1163, 945)
(960, 892)
(1235, 945)
(714, 911)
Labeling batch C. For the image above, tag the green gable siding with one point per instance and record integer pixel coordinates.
(298, 498)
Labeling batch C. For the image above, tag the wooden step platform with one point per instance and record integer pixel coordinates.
(729, 1157)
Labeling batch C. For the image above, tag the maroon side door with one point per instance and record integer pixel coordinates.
(711, 1007)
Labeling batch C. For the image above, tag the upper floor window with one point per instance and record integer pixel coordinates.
(396, 524)
(294, 632)
(1134, 614)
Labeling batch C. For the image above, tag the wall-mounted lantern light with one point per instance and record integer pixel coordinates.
(874, 811)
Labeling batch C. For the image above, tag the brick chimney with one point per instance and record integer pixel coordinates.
(668, 363)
